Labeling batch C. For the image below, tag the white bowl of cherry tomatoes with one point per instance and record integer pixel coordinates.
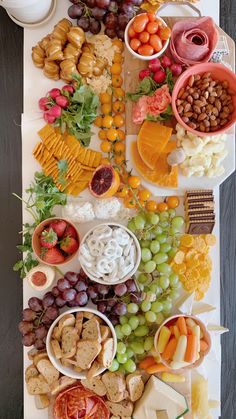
(147, 36)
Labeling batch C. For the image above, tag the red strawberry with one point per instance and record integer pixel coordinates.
(48, 238)
(70, 231)
(69, 245)
(59, 227)
(53, 256)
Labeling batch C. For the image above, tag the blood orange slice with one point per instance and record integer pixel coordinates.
(105, 182)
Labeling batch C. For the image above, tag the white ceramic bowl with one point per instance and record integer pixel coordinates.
(144, 57)
(136, 265)
(69, 372)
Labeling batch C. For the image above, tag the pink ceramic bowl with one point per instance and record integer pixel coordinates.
(219, 72)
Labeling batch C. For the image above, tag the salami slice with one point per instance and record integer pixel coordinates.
(193, 41)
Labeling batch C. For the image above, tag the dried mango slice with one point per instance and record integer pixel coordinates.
(179, 257)
(210, 239)
(187, 240)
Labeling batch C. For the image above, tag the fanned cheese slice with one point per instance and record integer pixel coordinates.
(201, 308)
(216, 329)
(185, 303)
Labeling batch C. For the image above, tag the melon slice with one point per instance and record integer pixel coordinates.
(163, 174)
(152, 139)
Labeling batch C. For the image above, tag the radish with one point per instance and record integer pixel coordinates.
(55, 111)
(53, 93)
(68, 88)
(50, 119)
(154, 65)
(166, 62)
(43, 103)
(159, 76)
(176, 69)
(144, 73)
(62, 101)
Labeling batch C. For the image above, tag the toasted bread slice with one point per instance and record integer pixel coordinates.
(48, 371)
(106, 355)
(88, 315)
(96, 385)
(67, 320)
(105, 332)
(37, 385)
(69, 340)
(91, 330)
(93, 370)
(79, 322)
(77, 368)
(32, 352)
(41, 401)
(61, 384)
(87, 351)
(56, 349)
(123, 409)
(38, 357)
(56, 333)
(115, 385)
(31, 371)
(135, 386)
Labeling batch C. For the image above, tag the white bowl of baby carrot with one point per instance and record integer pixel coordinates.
(182, 341)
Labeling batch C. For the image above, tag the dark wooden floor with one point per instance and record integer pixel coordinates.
(11, 379)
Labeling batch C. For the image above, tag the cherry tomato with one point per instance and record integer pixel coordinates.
(131, 32)
(134, 181)
(102, 134)
(144, 37)
(151, 206)
(98, 121)
(120, 159)
(140, 22)
(123, 191)
(105, 160)
(146, 50)
(121, 134)
(112, 134)
(172, 201)
(118, 106)
(116, 69)
(152, 27)
(135, 44)
(119, 147)
(144, 195)
(105, 146)
(117, 80)
(162, 206)
(156, 42)
(118, 121)
(130, 203)
(151, 17)
(164, 33)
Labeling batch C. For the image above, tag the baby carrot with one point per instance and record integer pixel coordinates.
(171, 329)
(153, 369)
(203, 345)
(170, 349)
(181, 323)
(176, 332)
(191, 350)
(189, 330)
(147, 362)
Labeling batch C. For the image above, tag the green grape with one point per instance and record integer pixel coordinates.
(172, 252)
(133, 322)
(145, 243)
(142, 278)
(155, 246)
(150, 266)
(148, 234)
(141, 319)
(173, 231)
(114, 365)
(174, 294)
(154, 219)
(159, 318)
(161, 238)
(148, 343)
(159, 291)
(129, 353)
(164, 224)
(157, 230)
(131, 226)
(150, 316)
(160, 258)
(122, 369)
(167, 305)
(141, 287)
(145, 306)
(121, 358)
(164, 268)
(177, 222)
(154, 288)
(132, 308)
(141, 267)
(157, 307)
(137, 348)
(165, 247)
(130, 365)
(141, 331)
(151, 296)
(119, 333)
(146, 255)
(164, 282)
(174, 279)
(126, 329)
(139, 222)
(171, 212)
(164, 216)
(123, 319)
(121, 348)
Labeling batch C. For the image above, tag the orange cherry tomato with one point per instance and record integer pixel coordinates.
(135, 44)
(144, 195)
(151, 206)
(131, 32)
(164, 33)
(146, 49)
(121, 134)
(119, 147)
(156, 42)
(140, 22)
(122, 192)
(105, 146)
(172, 201)
(162, 206)
(117, 80)
(151, 17)
(118, 106)
(130, 203)
(152, 27)
(102, 134)
(134, 181)
(98, 121)
(120, 159)
(105, 160)
(144, 37)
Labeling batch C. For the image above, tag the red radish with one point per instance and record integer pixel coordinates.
(53, 93)
(50, 119)
(144, 73)
(55, 111)
(62, 101)
(43, 103)
(166, 62)
(69, 245)
(176, 69)
(154, 65)
(70, 232)
(159, 76)
(68, 88)
(53, 256)
(48, 238)
(58, 226)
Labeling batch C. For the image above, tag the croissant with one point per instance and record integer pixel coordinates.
(51, 70)
(99, 67)
(68, 67)
(38, 56)
(76, 36)
(44, 42)
(87, 47)
(64, 24)
(54, 50)
(86, 64)
(71, 52)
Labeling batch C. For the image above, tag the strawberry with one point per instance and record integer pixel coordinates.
(48, 238)
(70, 231)
(58, 226)
(53, 256)
(69, 245)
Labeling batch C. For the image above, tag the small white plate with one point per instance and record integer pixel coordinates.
(39, 23)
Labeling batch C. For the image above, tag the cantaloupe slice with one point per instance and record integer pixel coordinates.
(152, 139)
(163, 174)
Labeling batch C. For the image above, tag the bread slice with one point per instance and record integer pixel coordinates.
(105, 332)
(56, 333)
(38, 357)
(106, 355)
(56, 349)
(123, 409)
(88, 315)
(49, 372)
(115, 385)
(77, 368)
(67, 320)
(79, 322)
(91, 330)
(31, 353)
(135, 386)
(93, 370)
(41, 401)
(69, 340)
(87, 351)
(37, 385)
(61, 384)
(96, 385)
(31, 371)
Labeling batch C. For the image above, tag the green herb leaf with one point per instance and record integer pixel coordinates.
(146, 87)
(169, 80)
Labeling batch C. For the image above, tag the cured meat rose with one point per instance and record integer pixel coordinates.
(151, 105)
(139, 110)
(193, 41)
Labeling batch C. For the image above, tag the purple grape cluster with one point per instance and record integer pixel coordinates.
(114, 14)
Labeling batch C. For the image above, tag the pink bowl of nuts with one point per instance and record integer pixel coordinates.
(204, 99)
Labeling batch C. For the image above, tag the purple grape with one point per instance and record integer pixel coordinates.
(63, 284)
(114, 319)
(121, 34)
(39, 344)
(82, 274)
(120, 309)
(55, 292)
(95, 26)
(60, 302)
(102, 4)
(98, 13)
(69, 295)
(25, 327)
(120, 290)
(136, 297)
(75, 11)
(35, 304)
(131, 286)
(103, 289)
(72, 277)
(41, 332)
(48, 300)
(52, 313)
(111, 302)
(102, 306)
(110, 20)
(28, 315)
(72, 303)
(81, 286)
(46, 320)
(113, 6)
(137, 2)
(83, 22)
(28, 339)
(81, 298)
(91, 291)
(91, 3)
(123, 20)
(110, 32)
(127, 10)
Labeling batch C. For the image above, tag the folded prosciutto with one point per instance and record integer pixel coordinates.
(193, 41)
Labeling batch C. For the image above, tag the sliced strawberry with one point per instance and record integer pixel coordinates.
(48, 238)
(69, 245)
(53, 256)
(59, 227)
(70, 231)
